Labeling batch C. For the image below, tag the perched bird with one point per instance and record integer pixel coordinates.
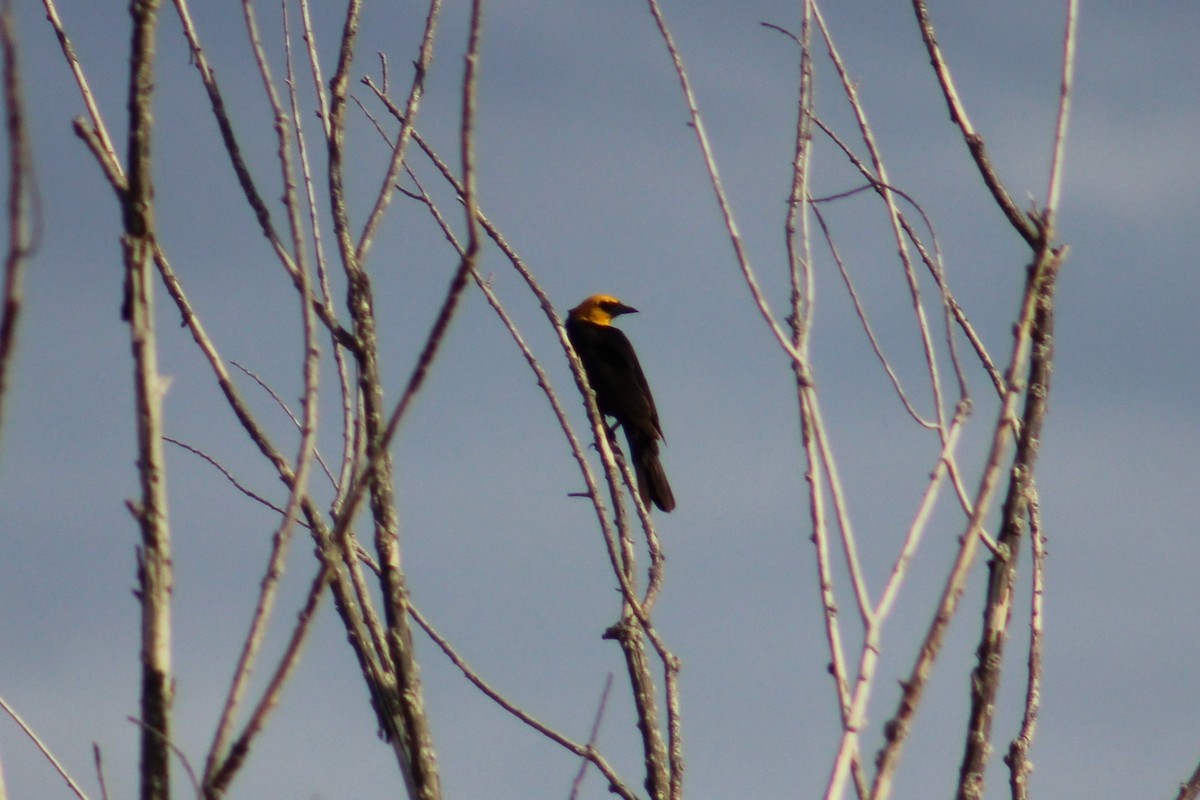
(621, 390)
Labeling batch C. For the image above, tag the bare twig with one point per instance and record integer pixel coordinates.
(229, 476)
(99, 771)
(421, 66)
(735, 236)
(269, 586)
(1018, 750)
(217, 759)
(348, 396)
(932, 262)
(985, 679)
(262, 213)
(1043, 270)
(286, 409)
(1064, 115)
(577, 783)
(183, 759)
(75, 788)
(231, 758)
(798, 238)
(106, 153)
(21, 197)
(894, 216)
(865, 322)
(583, 751)
(973, 139)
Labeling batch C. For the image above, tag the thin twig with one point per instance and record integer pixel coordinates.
(229, 476)
(577, 783)
(232, 759)
(420, 68)
(735, 236)
(75, 788)
(865, 322)
(347, 394)
(1017, 759)
(932, 261)
(973, 139)
(99, 771)
(286, 409)
(249, 188)
(281, 539)
(1064, 115)
(868, 139)
(583, 751)
(183, 759)
(106, 153)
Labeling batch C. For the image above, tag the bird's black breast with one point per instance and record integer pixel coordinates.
(615, 375)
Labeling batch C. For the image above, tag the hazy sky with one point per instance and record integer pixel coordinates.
(588, 165)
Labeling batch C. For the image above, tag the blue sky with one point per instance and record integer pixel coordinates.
(588, 166)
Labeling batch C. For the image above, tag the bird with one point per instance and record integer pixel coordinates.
(621, 389)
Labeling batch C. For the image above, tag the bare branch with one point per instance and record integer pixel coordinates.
(1018, 750)
(99, 771)
(221, 772)
(973, 139)
(75, 788)
(868, 138)
(577, 783)
(105, 151)
(1064, 114)
(21, 200)
(183, 759)
(154, 555)
(286, 409)
(985, 679)
(421, 66)
(583, 751)
(710, 164)
(349, 427)
(932, 262)
(1043, 270)
(865, 322)
(209, 79)
(229, 476)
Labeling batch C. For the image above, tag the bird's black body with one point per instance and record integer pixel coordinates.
(621, 390)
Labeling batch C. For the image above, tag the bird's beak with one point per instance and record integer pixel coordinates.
(621, 308)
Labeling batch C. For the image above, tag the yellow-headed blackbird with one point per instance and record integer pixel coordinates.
(621, 389)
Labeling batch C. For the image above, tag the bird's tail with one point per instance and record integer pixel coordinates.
(651, 478)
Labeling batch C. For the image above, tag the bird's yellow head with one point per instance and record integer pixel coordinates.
(599, 309)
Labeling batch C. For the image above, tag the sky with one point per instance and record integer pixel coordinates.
(589, 167)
